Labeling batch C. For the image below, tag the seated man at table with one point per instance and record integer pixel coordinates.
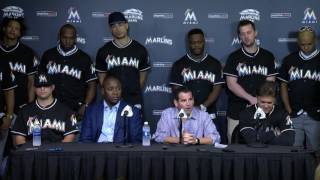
(195, 126)
(104, 120)
(57, 121)
(266, 122)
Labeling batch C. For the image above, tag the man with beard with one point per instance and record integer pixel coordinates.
(246, 69)
(21, 59)
(72, 71)
(104, 121)
(124, 58)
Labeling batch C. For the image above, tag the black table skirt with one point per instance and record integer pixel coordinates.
(106, 161)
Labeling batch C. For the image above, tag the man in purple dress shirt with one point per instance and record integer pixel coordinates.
(197, 126)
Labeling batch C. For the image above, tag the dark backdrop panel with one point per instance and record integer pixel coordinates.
(162, 25)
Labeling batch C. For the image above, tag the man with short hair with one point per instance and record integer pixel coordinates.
(197, 126)
(300, 86)
(111, 120)
(21, 59)
(246, 69)
(200, 72)
(266, 122)
(72, 71)
(124, 58)
(57, 121)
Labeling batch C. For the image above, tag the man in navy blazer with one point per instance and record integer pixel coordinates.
(103, 121)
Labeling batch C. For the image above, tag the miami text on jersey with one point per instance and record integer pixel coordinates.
(189, 75)
(244, 70)
(54, 68)
(296, 73)
(57, 125)
(113, 61)
(18, 67)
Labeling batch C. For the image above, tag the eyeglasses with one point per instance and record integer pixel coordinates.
(306, 28)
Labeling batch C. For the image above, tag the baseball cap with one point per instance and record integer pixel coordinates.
(116, 17)
(42, 79)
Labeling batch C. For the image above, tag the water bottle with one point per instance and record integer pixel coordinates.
(146, 135)
(36, 135)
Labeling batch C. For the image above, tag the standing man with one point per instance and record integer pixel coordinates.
(104, 120)
(246, 69)
(196, 126)
(21, 59)
(7, 86)
(72, 71)
(124, 58)
(57, 121)
(300, 87)
(199, 72)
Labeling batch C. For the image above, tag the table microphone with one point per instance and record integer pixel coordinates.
(181, 114)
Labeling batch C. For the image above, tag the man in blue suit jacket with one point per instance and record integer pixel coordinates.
(103, 121)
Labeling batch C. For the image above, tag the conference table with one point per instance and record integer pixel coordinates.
(86, 161)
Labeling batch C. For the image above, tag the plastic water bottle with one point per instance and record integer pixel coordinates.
(36, 135)
(146, 135)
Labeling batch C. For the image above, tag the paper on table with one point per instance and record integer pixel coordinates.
(221, 146)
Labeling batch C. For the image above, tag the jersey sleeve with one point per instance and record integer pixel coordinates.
(20, 126)
(71, 124)
(219, 75)
(285, 123)
(101, 64)
(8, 79)
(272, 70)
(175, 75)
(32, 63)
(43, 63)
(230, 68)
(144, 65)
(90, 73)
(283, 72)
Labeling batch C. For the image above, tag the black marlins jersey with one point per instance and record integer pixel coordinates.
(56, 121)
(125, 63)
(199, 76)
(70, 71)
(303, 77)
(23, 63)
(276, 125)
(7, 81)
(251, 71)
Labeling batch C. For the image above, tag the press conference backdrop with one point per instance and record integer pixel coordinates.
(162, 25)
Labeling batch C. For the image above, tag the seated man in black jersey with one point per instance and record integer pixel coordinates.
(57, 121)
(265, 122)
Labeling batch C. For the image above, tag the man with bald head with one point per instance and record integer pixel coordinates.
(300, 84)
(72, 71)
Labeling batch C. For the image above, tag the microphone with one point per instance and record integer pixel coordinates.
(182, 114)
(259, 114)
(127, 111)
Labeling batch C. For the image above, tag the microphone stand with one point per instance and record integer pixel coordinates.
(180, 128)
(258, 143)
(125, 132)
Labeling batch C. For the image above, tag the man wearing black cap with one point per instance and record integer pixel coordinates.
(124, 58)
(57, 121)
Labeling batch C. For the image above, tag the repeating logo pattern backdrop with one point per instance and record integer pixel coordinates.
(161, 26)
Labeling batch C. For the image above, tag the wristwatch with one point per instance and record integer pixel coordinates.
(197, 141)
(10, 116)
